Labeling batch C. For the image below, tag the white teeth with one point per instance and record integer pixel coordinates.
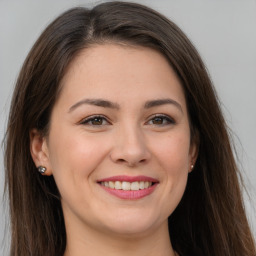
(111, 184)
(125, 185)
(135, 185)
(118, 185)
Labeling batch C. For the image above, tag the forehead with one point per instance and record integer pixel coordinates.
(112, 70)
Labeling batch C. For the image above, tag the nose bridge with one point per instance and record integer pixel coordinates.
(130, 145)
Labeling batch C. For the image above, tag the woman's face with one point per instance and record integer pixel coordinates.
(119, 141)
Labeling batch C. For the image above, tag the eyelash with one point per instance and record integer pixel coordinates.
(168, 120)
(88, 121)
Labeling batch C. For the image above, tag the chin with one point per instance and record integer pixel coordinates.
(132, 224)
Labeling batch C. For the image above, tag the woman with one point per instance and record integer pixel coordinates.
(116, 143)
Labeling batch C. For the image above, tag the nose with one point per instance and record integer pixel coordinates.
(130, 148)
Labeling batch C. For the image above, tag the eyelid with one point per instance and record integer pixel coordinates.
(86, 120)
(167, 117)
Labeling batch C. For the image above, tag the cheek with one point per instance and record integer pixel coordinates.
(73, 161)
(173, 157)
(173, 153)
(76, 155)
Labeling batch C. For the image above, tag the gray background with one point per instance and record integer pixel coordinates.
(224, 31)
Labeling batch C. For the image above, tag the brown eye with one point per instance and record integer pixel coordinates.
(161, 120)
(95, 121)
(158, 120)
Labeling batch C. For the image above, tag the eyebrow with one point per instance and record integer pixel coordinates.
(108, 104)
(95, 102)
(160, 102)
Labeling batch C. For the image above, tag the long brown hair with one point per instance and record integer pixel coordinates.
(210, 219)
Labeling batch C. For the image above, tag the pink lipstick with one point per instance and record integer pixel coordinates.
(129, 187)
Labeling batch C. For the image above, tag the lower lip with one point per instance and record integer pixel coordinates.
(130, 194)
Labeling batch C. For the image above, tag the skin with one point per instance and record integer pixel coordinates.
(129, 140)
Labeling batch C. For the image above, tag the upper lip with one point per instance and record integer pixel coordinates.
(128, 178)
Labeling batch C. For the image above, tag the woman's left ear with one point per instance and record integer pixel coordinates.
(39, 152)
(193, 156)
(193, 152)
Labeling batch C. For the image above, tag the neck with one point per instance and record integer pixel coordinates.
(93, 243)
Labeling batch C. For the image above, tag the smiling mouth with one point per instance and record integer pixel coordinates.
(127, 186)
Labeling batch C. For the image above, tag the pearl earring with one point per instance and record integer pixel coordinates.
(41, 169)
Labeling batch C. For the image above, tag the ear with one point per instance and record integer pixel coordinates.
(39, 151)
(193, 151)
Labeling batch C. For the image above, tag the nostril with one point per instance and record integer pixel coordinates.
(121, 160)
(131, 163)
(129, 156)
